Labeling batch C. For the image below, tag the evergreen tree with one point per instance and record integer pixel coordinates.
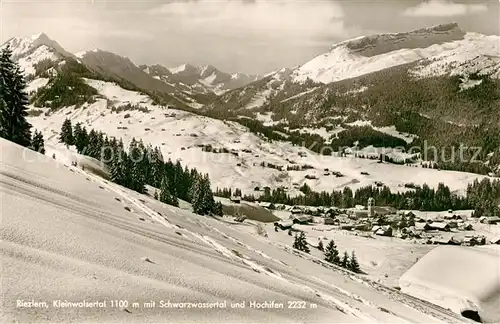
(37, 143)
(332, 253)
(353, 263)
(136, 157)
(157, 168)
(117, 168)
(202, 197)
(218, 209)
(345, 261)
(13, 101)
(320, 246)
(156, 195)
(300, 243)
(80, 137)
(66, 135)
(165, 194)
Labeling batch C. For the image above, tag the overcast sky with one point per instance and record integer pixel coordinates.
(253, 36)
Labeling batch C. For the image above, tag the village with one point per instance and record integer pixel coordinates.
(442, 228)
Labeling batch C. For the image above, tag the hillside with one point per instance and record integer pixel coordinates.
(431, 84)
(228, 151)
(69, 228)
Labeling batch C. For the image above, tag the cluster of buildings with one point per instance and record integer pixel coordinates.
(389, 222)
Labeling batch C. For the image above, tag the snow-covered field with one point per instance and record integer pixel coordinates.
(459, 278)
(180, 134)
(71, 236)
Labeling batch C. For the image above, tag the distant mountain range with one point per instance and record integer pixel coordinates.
(191, 86)
(203, 79)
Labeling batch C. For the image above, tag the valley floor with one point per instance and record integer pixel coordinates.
(71, 236)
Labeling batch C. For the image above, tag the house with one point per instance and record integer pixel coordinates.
(332, 212)
(295, 210)
(329, 221)
(311, 210)
(441, 241)
(363, 226)
(240, 218)
(267, 205)
(303, 220)
(453, 217)
(466, 227)
(456, 240)
(411, 232)
(409, 214)
(284, 225)
(471, 240)
(490, 220)
(357, 214)
(385, 230)
(495, 240)
(235, 199)
(384, 210)
(440, 226)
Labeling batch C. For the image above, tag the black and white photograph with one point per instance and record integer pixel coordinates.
(250, 161)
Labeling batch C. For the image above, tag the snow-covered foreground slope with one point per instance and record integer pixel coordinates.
(71, 236)
(458, 278)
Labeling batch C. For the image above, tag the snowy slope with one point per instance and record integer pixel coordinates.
(66, 235)
(181, 134)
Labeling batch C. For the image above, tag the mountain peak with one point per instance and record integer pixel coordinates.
(22, 47)
(38, 36)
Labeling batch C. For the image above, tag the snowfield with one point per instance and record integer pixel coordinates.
(459, 278)
(71, 236)
(181, 134)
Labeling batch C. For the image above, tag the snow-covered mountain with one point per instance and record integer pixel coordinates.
(200, 79)
(439, 50)
(367, 54)
(185, 86)
(29, 52)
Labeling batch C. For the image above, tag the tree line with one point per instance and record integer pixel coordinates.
(142, 165)
(482, 196)
(14, 105)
